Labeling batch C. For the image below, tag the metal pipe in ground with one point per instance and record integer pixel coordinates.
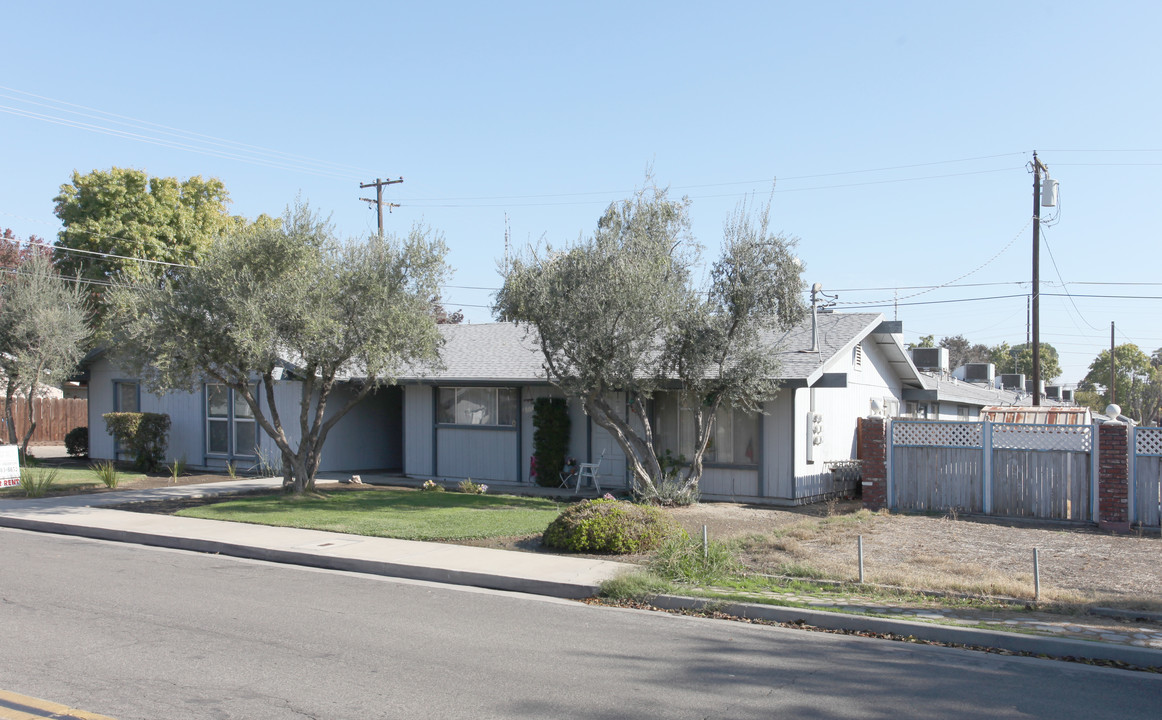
(705, 544)
(1036, 575)
(861, 559)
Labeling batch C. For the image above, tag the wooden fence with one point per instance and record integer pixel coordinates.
(1147, 485)
(1008, 469)
(54, 418)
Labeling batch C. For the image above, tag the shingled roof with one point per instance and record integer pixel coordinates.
(503, 352)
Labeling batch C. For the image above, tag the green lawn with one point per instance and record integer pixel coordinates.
(72, 478)
(405, 514)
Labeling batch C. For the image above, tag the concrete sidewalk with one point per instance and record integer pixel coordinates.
(87, 516)
(543, 574)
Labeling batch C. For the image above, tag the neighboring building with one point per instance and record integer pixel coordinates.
(962, 393)
(473, 417)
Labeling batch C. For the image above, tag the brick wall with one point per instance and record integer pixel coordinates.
(1113, 477)
(873, 448)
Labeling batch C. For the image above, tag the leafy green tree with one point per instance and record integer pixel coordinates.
(264, 296)
(619, 312)
(126, 212)
(1137, 382)
(1050, 361)
(961, 351)
(926, 341)
(43, 330)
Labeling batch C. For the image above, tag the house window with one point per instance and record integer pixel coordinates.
(230, 427)
(477, 406)
(733, 441)
(126, 397)
(962, 413)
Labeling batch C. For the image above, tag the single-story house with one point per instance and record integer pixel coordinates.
(473, 417)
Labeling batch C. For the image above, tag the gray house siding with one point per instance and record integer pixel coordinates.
(366, 438)
(419, 421)
(477, 454)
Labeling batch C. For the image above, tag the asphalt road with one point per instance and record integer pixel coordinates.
(135, 632)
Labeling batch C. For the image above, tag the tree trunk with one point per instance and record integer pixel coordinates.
(29, 405)
(9, 419)
(640, 455)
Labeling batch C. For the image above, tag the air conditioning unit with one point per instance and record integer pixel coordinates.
(1067, 395)
(979, 373)
(1013, 381)
(933, 359)
(1053, 392)
(1029, 387)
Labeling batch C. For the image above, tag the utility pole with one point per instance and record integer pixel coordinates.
(378, 201)
(1037, 168)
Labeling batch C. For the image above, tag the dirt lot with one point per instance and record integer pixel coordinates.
(972, 554)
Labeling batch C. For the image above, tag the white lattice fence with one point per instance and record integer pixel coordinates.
(937, 434)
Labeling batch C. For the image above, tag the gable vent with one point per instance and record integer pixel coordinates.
(857, 357)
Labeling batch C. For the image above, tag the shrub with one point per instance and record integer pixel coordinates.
(467, 486)
(609, 526)
(669, 491)
(36, 481)
(142, 434)
(77, 442)
(550, 439)
(107, 473)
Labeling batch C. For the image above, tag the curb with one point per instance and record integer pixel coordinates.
(550, 588)
(1013, 642)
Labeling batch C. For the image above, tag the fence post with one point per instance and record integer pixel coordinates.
(1132, 476)
(873, 450)
(1113, 477)
(987, 467)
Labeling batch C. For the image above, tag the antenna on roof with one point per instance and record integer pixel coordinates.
(507, 242)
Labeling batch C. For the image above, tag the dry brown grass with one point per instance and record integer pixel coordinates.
(980, 556)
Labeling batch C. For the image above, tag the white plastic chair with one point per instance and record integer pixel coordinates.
(589, 470)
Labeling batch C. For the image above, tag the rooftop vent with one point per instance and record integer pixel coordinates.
(932, 359)
(979, 373)
(1013, 381)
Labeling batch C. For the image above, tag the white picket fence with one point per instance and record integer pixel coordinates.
(1007, 469)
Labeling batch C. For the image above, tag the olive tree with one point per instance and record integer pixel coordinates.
(43, 330)
(264, 298)
(620, 311)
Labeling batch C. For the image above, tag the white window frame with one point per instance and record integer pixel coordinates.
(237, 415)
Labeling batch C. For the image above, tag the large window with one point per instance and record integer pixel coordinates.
(477, 406)
(733, 441)
(230, 426)
(126, 396)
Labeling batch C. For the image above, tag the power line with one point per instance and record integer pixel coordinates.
(167, 130)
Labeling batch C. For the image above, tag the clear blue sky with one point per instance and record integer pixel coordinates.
(899, 133)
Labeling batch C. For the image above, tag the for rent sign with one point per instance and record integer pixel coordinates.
(9, 466)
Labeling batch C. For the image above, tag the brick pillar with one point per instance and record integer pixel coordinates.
(1113, 477)
(873, 448)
